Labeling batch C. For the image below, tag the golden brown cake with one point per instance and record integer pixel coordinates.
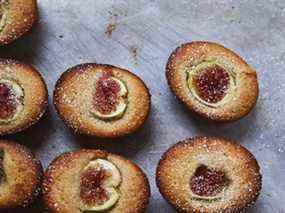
(102, 100)
(95, 181)
(23, 96)
(212, 81)
(16, 18)
(209, 175)
(20, 176)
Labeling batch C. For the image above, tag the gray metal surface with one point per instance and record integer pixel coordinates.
(140, 36)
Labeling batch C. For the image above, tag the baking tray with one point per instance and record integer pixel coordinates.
(139, 35)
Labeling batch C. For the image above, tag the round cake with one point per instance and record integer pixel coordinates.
(16, 18)
(212, 81)
(102, 100)
(20, 176)
(94, 181)
(23, 96)
(209, 175)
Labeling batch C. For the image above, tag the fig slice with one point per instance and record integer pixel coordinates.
(113, 178)
(99, 184)
(211, 83)
(208, 184)
(11, 100)
(110, 98)
(113, 196)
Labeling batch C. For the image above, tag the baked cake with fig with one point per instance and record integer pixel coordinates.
(94, 181)
(102, 100)
(23, 96)
(20, 176)
(209, 175)
(16, 18)
(212, 81)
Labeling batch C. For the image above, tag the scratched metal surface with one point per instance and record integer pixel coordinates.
(139, 35)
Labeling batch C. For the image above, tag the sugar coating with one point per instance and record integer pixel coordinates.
(73, 98)
(178, 165)
(239, 102)
(61, 186)
(23, 173)
(33, 101)
(16, 18)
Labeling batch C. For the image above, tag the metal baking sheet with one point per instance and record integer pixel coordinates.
(140, 35)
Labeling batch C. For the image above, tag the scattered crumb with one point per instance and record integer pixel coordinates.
(113, 23)
(111, 27)
(134, 52)
(60, 36)
(118, 13)
(232, 15)
(113, 14)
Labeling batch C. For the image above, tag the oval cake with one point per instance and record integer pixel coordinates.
(102, 100)
(16, 18)
(23, 96)
(212, 81)
(95, 181)
(20, 176)
(209, 175)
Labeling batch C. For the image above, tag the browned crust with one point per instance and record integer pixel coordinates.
(78, 117)
(22, 14)
(169, 173)
(247, 88)
(36, 95)
(134, 189)
(28, 171)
